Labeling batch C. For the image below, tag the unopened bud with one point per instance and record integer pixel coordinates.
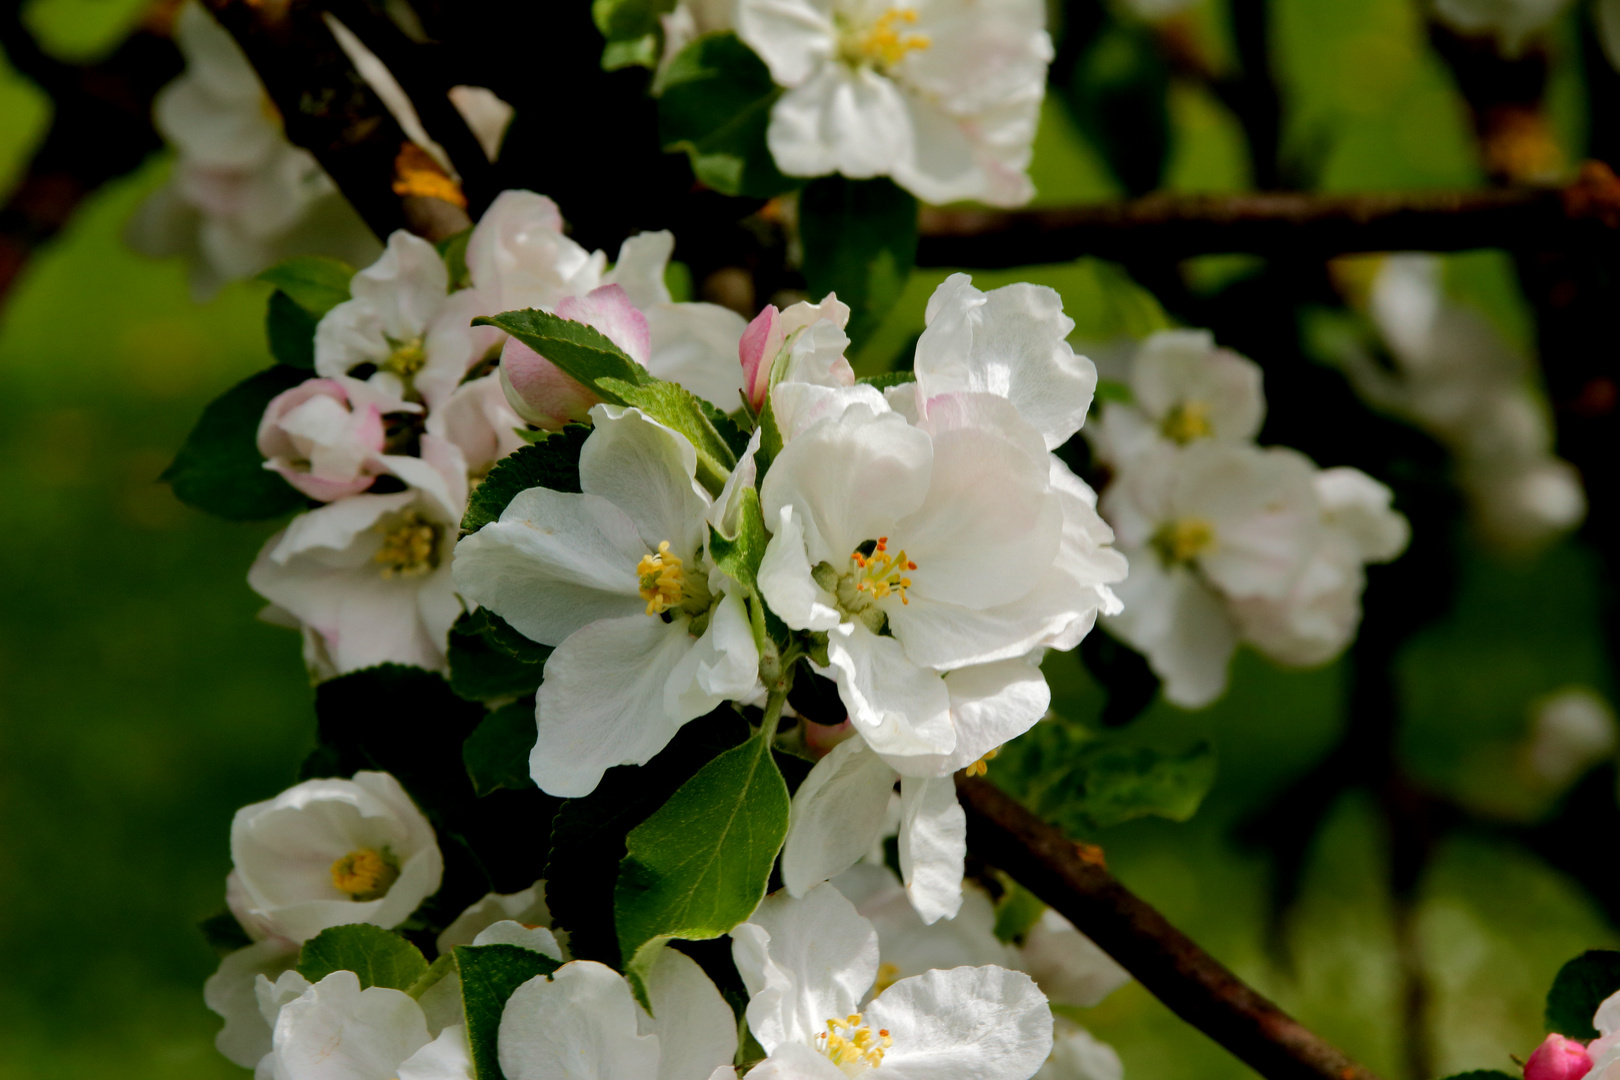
(1558, 1058)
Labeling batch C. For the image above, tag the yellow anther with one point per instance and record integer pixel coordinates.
(365, 873)
(1185, 539)
(1187, 422)
(884, 42)
(663, 582)
(406, 359)
(852, 1046)
(410, 548)
(888, 975)
(982, 766)
(880, 574)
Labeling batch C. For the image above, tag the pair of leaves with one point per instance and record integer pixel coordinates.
(219, 469)
(860, 241)
(307, 287)
(490, 660)
(1579, 988)
(715, 105)
(587, 356)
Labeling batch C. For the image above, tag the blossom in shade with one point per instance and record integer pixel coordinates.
(320, 441)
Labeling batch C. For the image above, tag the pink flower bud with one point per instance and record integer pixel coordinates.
(1558, 1058)
(537, 389)
(324, 446)
(757, 349)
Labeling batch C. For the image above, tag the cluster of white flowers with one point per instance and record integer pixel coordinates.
(1228, 541)
(1456, 377)
(404, 390)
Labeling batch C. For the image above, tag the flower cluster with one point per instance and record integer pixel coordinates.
(1228, 542)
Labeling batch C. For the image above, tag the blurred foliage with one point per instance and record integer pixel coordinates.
(141, 703)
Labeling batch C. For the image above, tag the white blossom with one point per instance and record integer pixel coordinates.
(334, 1030)
(478, 420)
(941, 95)
(526, 906)
(809, 965)
(1570, 731)
(241, 197)
(646, 634)
(369, 575)
(230, 994)
(327, 853)
(324, 442)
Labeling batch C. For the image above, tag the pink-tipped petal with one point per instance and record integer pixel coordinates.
(317, 488)
(538, 391)
(273, 442)
(1558, 1058)
(757, 347)
(609, 310)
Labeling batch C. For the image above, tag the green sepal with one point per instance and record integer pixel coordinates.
(315, 283)
(489, 975)
(497, 752)
(739, 556)
(550, 462)
(714, 105)
(379, 957)
(700, 864)
(1578, 989)
(219, 469)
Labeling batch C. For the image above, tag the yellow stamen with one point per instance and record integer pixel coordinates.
(885, 42)
(852, 1046)
(407, 358)
(879, 574)
(365, 873)
(663, 582)
(410, 548)
(1183, 540)
(1187, 422)
(982, 766)
(888, 975)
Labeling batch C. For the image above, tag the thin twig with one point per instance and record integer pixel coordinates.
(1168, 227)
(1194, 985)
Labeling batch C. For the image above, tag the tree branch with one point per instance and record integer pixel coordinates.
(1195, 985)
(1298, 225)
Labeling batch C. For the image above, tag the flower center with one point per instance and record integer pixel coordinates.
(664, 584)
(1187, 422)
(883, 42)
(365, 873)
(876, 574)
(410, 548)
(406, 359)
(1183, 540)
(852, 1046)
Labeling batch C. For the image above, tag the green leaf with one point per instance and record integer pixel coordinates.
(453, 249)
(223, 933)
(673, 405)
(219, 469)
(624, 20)
(489, 974)
(715, 105)
(739, 556)
(638, 52)
(700, 864)
(888, 379)
(490, 660)
(552, 462)
(581, 352)
(588, 834)
(860, 241)
(444, 965)
(313, 282)
(380, 957)
(1082, 782)
(497, 754)
(291, 331)
(1577, 991)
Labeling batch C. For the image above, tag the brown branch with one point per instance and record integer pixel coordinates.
(1170, 227)
(101, 130)
(1195, 986)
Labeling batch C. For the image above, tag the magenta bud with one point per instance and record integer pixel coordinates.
(1558, 1058)
(757, 349)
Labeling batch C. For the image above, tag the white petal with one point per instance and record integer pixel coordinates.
(646, 470)
(722, 665)
(837, 815)
(1079, 1055)
(602, 702)
(639, 271)
(912, 946)
(793, 37)
(991, 704)
(1183, 367)
(336, 1031)
(901, 710)
(449, 1057)
(534, 938)
(845, 120)
(553, 563)
(1180, 626)
(804, 962)
(1069, 966)
(933, 845)
(405, 288)
(696, 1029)
(984, 1023)
(229, 992)
(527, 906)
(696, 345)
(785, 581)
(796, 1061)
(580, 1024)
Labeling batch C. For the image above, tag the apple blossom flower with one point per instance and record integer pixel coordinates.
(519, 257)
(404, 322)
(370, 574)
(231, 995)
(808, 966)
(582, 1021)
(941, 96)
(1558, 1058)
(334, 1030)
(812, 335)
(647, 635)
(328, 853)
(479, 421)
(320, 441)
(241, 196)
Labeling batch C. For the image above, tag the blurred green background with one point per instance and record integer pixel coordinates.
(141, 702)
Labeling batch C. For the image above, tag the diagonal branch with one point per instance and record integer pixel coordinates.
(1171, 227)
(1196, 986)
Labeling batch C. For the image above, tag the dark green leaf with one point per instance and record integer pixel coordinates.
(489, 660)
(219, 470)
(673, 405)
(581, 352)
(1577, 991)
(489, 974)
(715, 106)
(1081, 782)
(497, 754)
(380, 957)
(291, 331)
(700, 864)
(314, 282)
(739, 557)
(223, 933)
(588, 835)
(553, 462)
(1119, 93)
(860, 241)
